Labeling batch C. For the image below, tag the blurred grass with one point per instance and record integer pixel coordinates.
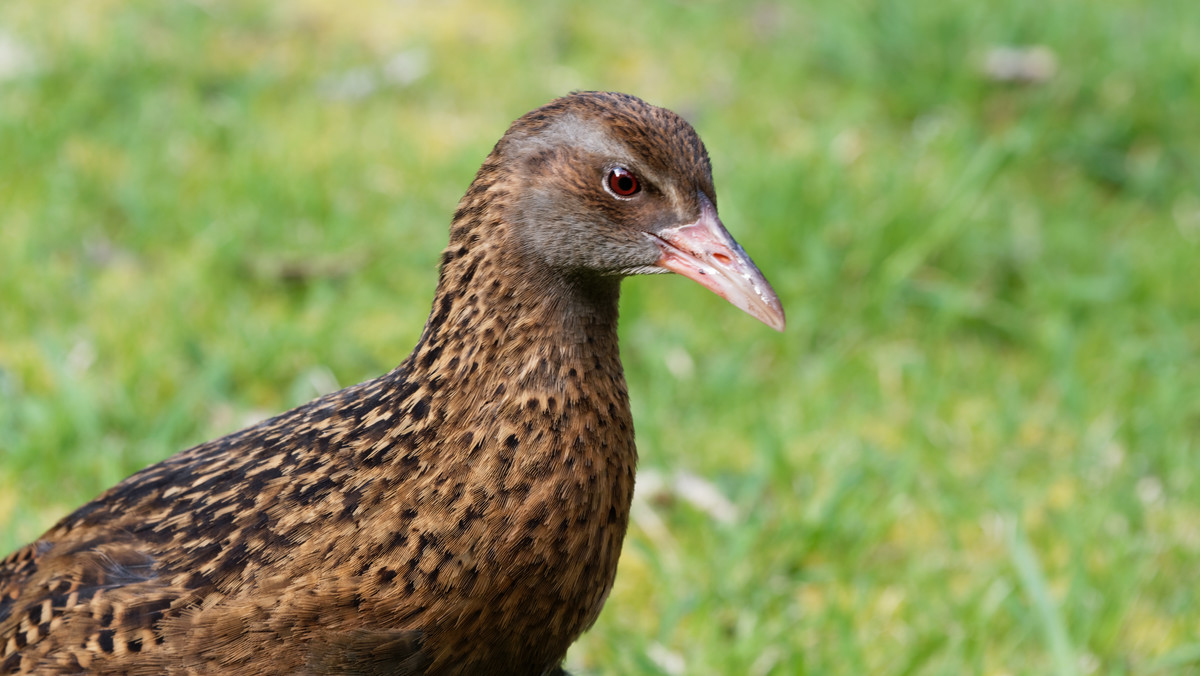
(974, 450)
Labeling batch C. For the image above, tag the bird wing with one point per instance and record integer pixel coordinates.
(91, 595)
(368, 653)
(188, 553)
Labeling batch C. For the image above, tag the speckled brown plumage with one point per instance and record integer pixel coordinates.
(462, 514)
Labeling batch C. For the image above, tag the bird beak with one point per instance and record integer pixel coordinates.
(705, 252)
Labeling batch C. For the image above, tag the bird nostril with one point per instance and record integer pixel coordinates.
(722, 258)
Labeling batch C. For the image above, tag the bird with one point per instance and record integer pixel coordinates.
(460, 514)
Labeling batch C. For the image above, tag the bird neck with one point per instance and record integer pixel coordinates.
(498, 304)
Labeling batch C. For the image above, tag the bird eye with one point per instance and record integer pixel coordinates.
(622, 182)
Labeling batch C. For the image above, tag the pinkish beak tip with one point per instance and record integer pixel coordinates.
(706, 253)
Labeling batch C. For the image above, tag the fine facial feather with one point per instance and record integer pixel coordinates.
(461, 514)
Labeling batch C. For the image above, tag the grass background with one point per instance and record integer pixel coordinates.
(975, 449)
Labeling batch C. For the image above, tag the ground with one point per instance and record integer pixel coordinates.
(975, 449)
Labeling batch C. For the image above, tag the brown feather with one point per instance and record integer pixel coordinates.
(462, 514)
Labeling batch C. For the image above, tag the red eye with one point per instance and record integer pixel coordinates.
(622, 182)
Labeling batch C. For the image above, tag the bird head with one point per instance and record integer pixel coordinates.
(604, 184)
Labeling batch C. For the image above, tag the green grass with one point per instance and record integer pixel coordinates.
(976, 449)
